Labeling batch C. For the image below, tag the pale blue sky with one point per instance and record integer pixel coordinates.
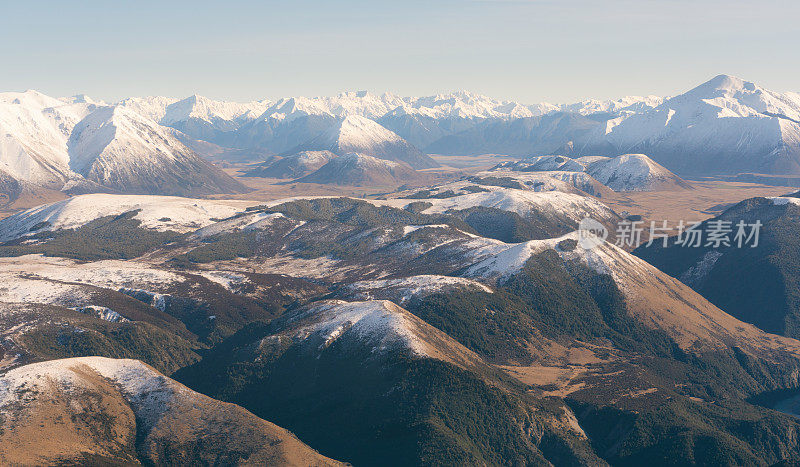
(527, 50)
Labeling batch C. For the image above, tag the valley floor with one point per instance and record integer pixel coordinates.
(706, 199)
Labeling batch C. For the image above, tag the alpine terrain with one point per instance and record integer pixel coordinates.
(376, 279)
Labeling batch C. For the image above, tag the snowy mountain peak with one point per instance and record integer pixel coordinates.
(126, 151)
(81, 99)
(355, 130)
(170, 111)
(209, 110)
(29, 97)
(360, 169)
(633, 172)
(364, 161)
(93, 134)
(726, 83)
(355, 133)
(628, 172)
(292, 106)
(35, 129)
(735, 97)
(381, 324)
(724, 126)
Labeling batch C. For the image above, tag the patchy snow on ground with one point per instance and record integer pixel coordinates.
(323, 267)
(525, 203)
(543, 164)
(404, 289)
(694, 275)
(413, 228)
(107, 273)
(230, 280)
(58, 281)
(380, 324)
(154, 299)
(155, 212)
(604, 258)
(104, 313)
(149, 392)
(784, 200)
(17, 289)
(245, 222)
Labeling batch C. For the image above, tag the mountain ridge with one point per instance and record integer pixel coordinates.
(356, 134)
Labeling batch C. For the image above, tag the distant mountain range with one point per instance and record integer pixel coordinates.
(81, 145)
(156, 145)
(724, 126)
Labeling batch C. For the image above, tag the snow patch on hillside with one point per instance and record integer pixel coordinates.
(381, 324)
(605, 258)
(108, 274)
(525, 203)
(26, 289)
(245, 222)
(104, 313)
(695, 275)
(784, 200)
(155, 212)
(230, 280)
(405, 288)
(147, 390)
(413, 228)
(631, 172)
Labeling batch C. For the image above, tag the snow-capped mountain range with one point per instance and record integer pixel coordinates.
(156, 145)
(726, 125)
(81, 144)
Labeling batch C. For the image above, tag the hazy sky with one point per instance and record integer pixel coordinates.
(527, 50)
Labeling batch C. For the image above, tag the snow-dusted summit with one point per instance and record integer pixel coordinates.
(197, 116)
(632, 172)
(63, 144)
(362, 170)
(362, 135)
(156, 212)
(628, 172)
(146, 418)
(724, 126)
(34, 129)
(292, 166)
(123, 150)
